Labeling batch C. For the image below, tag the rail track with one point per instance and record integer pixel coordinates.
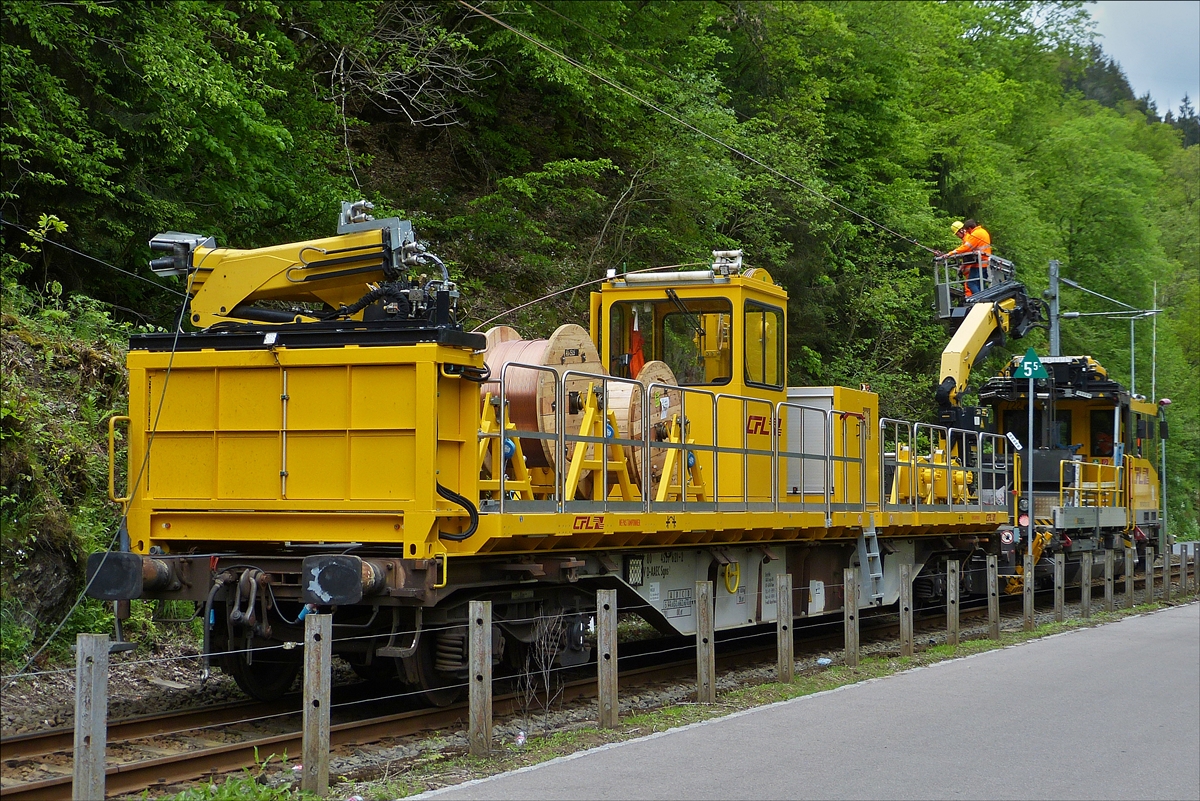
(163, 749)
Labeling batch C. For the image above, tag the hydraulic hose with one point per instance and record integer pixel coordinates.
(439, 263)
(454, 497)
(208, 604)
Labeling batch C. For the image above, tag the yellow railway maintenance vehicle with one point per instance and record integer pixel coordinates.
(333, 439)
(1095, 485)
(1094, 479)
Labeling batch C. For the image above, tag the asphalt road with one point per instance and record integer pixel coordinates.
(1105, 712)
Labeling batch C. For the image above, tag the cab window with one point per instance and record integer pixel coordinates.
(697, 341)
(1101, 433)
(1016, 422)
(764, 345)
(693, 336)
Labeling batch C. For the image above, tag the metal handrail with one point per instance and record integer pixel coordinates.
(1103, 487)
(601, 442)
(746, 451)
(826, 463)
(845, 460)
(558, 428)
(682, 445)
(990, 470)
(1000, 445)
(885, 494)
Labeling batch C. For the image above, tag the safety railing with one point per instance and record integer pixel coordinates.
(922, 467)
(554, 504)
(854, 492)
(1083, 483)
(897, 466)
(952, 276)
(695, 404)
(599, 444)
(811, 466)
(995, 473)
(928, 467)
(751, 424)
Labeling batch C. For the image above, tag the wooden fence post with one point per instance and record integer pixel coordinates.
(479, 732)
(993, 591)
(1195, 574)
(783, 628)
(318, 659)
(952, 602)
(706, 655)
(906, 610)
(1085, 584)
(606, 643)
(1060, 569)
(91, 715)
(850, 614)
(1167, 574)
(1149, 571)
(1109, 580)
(1129, 560)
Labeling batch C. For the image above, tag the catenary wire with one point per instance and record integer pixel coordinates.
(133, 487)
(45, 240)
(558, 292)
(684, 123)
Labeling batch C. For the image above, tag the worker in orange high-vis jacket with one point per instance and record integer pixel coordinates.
(975, 239)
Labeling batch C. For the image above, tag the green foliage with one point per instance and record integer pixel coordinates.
(62, 377)
(532, 173)
(240, 788)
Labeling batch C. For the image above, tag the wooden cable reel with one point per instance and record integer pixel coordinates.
(530, 393)
(628, 405)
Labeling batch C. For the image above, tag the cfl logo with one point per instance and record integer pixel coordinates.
(758, 424)
(588, 523)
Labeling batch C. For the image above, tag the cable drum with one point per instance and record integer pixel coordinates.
(530, 393)
(663, 404)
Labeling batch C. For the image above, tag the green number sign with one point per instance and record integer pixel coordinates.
(1031, 367)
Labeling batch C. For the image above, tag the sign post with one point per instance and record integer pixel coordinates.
(1031, 367)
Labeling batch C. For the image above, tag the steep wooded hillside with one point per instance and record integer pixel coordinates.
(536, 144)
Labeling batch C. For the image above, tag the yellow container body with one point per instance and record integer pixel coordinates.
(333, 444)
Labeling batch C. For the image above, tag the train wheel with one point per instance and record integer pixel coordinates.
(438, 688)
(261, 680)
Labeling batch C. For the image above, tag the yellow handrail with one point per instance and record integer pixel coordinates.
(1095, 484)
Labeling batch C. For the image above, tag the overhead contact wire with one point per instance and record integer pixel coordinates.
(693, 128)
(47, 240)
(558, 292)
(133, 487)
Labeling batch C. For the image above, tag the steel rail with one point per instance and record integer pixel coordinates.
(134, 776)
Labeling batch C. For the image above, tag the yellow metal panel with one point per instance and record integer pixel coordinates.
(249, 399)
(318, 399)
(275, 527)
(383, 466)
(449, 396)
(189, 404)
(383, 396)
(316, 466)
(248, 466)
(181, 466)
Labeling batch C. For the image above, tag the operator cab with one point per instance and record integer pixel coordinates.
(721, 328)
(1092, 446)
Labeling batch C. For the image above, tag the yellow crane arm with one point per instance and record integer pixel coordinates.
(335, 270)
(970, 344)
(225, 283)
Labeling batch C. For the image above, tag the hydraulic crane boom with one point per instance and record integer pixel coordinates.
(363, 271)
(980, 321)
